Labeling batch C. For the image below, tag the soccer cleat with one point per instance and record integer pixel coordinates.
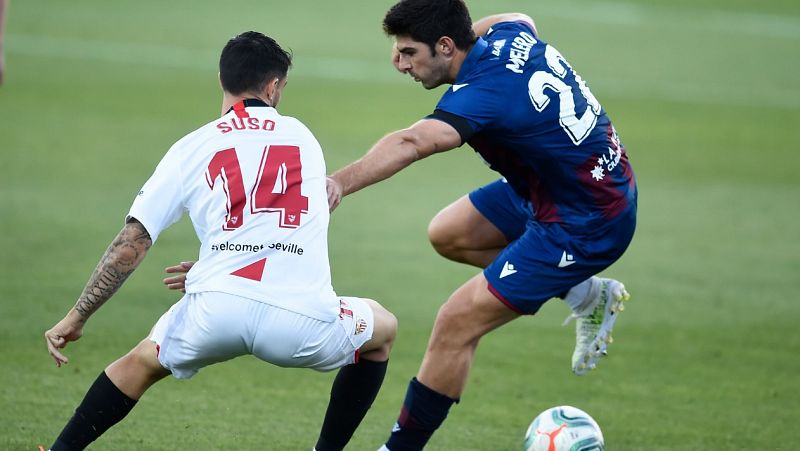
(593, 330)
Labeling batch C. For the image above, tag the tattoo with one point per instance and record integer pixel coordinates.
(120, 260)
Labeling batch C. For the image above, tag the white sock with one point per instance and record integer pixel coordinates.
(580, 297)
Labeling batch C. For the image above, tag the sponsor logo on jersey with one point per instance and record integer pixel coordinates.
(237, 247)
(287, 247)
(520, 51)
(497, 46)
(606, 162)
(566, 260)
(598, 173)
(508, 269)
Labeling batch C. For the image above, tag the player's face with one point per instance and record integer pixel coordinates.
(416, 59)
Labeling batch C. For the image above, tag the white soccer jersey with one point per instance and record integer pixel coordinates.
(253, 183)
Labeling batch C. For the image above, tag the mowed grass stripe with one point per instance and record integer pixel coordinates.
(355, 70)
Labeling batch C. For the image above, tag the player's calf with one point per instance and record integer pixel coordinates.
(356, 386)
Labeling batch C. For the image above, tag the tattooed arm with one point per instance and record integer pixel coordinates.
(119, 261)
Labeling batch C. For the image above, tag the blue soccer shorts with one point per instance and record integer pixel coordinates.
(543, 260)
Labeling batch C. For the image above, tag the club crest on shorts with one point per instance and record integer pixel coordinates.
(361, 326)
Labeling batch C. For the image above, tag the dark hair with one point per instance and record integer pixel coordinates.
(249, 61)
(428, 20)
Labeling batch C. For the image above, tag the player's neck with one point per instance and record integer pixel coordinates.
(458, 61)
(229, 100)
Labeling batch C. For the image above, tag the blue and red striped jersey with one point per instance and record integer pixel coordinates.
(533, 119)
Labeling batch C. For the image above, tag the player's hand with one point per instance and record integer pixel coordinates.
(68, 329)
(178, 282)
(334, 193)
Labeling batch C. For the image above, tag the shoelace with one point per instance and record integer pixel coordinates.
(571, 316)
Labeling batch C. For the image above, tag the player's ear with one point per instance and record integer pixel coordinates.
(446, 46)
(273, 91)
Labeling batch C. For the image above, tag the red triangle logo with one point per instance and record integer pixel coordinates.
(253, 271)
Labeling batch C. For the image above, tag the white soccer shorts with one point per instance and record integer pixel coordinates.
(205, 328)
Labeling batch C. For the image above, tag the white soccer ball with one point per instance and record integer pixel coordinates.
(564, 428)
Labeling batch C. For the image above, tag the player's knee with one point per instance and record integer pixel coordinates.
(451, 328)
(387, 322)
(442, 236)
(448, 315)
(144, 358)
(383, 333)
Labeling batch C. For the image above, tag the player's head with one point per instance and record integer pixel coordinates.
(429, 33)
(252, 63)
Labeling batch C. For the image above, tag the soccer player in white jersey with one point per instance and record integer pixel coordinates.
(253, 184)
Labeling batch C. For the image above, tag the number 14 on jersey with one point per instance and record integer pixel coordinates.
(276, 189)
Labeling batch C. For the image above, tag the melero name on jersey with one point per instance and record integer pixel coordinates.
(246, 123)
(520, 51)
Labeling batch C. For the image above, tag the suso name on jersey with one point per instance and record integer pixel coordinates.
(247, 123)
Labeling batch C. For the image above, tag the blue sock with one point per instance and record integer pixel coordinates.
(423, 412)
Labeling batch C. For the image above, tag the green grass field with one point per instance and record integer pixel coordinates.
(706, 98)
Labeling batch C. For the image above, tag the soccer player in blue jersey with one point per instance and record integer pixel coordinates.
(563, 211)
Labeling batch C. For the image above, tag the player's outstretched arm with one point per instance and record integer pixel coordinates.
(120, 260)
(391, 154)
(481, 27)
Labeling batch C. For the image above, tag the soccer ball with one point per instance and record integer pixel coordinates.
(564, 428)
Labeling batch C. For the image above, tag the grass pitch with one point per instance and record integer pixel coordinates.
(706, 99)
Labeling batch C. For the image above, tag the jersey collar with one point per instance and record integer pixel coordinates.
(472, 59)
(239, 107)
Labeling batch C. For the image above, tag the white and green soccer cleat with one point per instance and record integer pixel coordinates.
(593, 331)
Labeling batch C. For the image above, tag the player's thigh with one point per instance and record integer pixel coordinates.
(502, 207)
(462, 226)
(547, 260)
(470, 313)
(202, 329)
(290, 339)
